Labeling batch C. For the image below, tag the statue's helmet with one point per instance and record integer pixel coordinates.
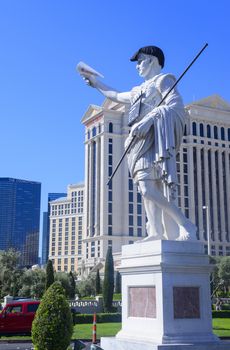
(152, 51)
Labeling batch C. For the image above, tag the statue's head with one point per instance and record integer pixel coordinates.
(151, 51)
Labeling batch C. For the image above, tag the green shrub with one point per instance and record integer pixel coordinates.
(53, 326)
(225, 307)
(221, 314)
(116, 296)
(101, 318)
(97, 283)
(108, 285)
(49, 274)
(118, 283)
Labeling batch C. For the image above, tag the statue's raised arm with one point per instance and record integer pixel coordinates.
(90, 77)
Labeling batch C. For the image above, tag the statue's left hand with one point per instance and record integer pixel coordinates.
(140, 129)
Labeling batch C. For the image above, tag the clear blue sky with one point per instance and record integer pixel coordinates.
(42, 99)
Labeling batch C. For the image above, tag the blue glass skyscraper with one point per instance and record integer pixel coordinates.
(19, 217)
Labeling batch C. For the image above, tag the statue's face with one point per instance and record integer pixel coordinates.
(144, 64)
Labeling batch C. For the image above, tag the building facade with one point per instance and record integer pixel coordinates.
(204, 172)
(46, 227)
(66, 229)
(19, 217)
(114, 212)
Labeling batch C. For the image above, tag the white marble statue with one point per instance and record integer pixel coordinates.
(158, 133)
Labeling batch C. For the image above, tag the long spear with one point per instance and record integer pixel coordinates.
(177, 81)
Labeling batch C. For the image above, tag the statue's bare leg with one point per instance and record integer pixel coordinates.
(150, 191)
(154, 214)
(154, 225)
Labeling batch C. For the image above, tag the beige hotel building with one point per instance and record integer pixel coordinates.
(66, 229)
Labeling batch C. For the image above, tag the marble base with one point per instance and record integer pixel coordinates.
(111, 343)
(165, 298)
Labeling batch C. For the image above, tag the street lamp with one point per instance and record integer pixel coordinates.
(206, 207)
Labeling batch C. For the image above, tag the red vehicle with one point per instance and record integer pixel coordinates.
(17, 317)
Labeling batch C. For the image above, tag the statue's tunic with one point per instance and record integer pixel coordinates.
(154, 156)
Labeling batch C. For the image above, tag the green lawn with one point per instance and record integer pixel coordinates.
(221, 327)
(84, 331)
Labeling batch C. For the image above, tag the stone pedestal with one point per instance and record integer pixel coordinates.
(165, 298)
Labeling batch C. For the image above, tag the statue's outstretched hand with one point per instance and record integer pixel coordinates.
(140, 129)
(90, 79)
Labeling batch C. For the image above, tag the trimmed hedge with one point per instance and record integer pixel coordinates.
(52, 327)
(101, 318)
(221, 314)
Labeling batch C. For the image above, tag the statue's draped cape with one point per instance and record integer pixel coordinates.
(154, 156)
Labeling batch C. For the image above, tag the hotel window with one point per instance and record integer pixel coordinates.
(208, 131)
(130, 184)
(110, 243)
(139, 232)
(139, 220)
(94, 132)
(110, 196)
(210, 182)
(110, 146)
(225, 196)
(196, 189)
(130, 194)
(228, 134)
(130, 231)
(130, 220)
(185, 130)
(98, 249)
(194, 129)
(110, 206)
(94, 189)
(110, 220)
(201, 129)
(203, 192)
(222, 133)
(110, 189)
(138, 197)
(215, 132)
(87, 250)
(228, 251)
(139, 209)
(92, 249)
(213, 250)
(111, 128)
(218, 196)
(130, 208)
(221, 250)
